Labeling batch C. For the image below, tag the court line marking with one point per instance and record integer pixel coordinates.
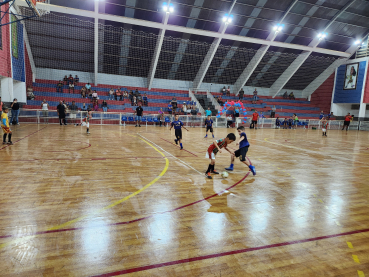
(23, 138)
(223, 254)
(134, 220)
(183, 162)
(178, 146)
(60, 226)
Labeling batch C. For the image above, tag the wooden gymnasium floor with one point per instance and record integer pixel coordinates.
(121, 203)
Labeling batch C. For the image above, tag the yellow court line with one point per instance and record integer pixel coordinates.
(360, 273)
(349, 244)
(61, 226)
(356, 259)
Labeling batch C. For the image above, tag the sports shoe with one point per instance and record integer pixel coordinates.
(181, 148)
(4, 142)
(207, 175)
(206, 136)
(229, 168)
(10, 143)
(253, 170)
(136, 126)
(139, 125)
(176, 141)
(87, 133)
(215, 172)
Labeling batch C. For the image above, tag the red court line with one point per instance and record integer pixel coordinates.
(178, 146)
(23, 138)
(217, 255)
(125, 222)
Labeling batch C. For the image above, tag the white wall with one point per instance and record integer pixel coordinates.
(343, 109)
(19, 91)
(119, 80)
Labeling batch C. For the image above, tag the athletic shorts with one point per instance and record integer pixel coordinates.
(178, 133)
(73, 115)
(254, 122)
(86, 124)
(242, 153)
(209, 129)
(212, 156)
(237, 115)
(346, 123)
(6, 130)
(324, 130)
(139, 117)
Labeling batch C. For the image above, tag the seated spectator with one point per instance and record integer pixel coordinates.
(73, 111)
(285, 95)
(104, 106)
(59, 87)
(136, 92)
(76, 80)
(130, 96)
(83, 92)
(170, 108)
(285, 123)
(84, 108)
(96, 106)
(118, 94)
(189, 108)
(65, 80)
(278, 123)
(240, 94)
(71, 87)
(111, 94)
(229, 121)
(88, 87)
(139, 98)
(125, 95)
(224, 91)
(134, 100)
(30, 95)
(291, 96)
(184, 108)
(145, 102)
(94, 95)
(229, 91)
(174, 104)
(70, 79)
(220, 100)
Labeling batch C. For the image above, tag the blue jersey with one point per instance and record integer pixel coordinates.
(177, 125)
(209, 123)
(144, 98)
(236, 110)
(277, 122)
(208, 112)
(169, 108)
(244, 142)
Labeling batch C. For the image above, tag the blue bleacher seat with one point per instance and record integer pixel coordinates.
(167, 120)
(124, 118)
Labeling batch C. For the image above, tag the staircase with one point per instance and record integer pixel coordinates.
(205, 103)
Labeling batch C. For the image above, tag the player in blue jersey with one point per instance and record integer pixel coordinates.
(241, 152)
(178, 125)
(209, 126)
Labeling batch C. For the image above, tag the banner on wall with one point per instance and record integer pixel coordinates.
(14, 37)
(351, 75)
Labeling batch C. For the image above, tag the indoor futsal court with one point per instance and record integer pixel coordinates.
(204, 138)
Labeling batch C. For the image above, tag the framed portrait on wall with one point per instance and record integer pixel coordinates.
(351, 74)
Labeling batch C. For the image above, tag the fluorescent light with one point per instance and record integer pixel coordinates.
(357, 42)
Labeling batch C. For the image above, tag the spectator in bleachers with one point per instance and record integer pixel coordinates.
(118, 94)
(220, 100)
(321, 115)
(134, 100)
(255, 97)
(188, 109)
(96, 106)
(174, 104)
(111, 94)
(94, 95)
(278, 123)
(65, 80)
(104, 106)
(45, 111)
(145, 101)
(84, 108)
(15, 112)
(61, 113)
(83, 92)
(136, 92)
(76, 80)
(71, 87)
(229, 121)
(193, 115)
(272, 114)
(88, 87)
(330, 115)
(208, 112)
(70, 79)
(59, 87)
(229, 91)
(184, 108)
(291, 96)
(240, 94)
(139, 98)
(30, 95)
(285, 95)
(73, 111)
(130, 96)
(224, 91)
(125, 95)
(170, 108)
(161, 116)
(236, 112)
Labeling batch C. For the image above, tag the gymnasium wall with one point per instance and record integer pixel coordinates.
(5, 62)
(322, 97)
(352, 95)
(120, 80)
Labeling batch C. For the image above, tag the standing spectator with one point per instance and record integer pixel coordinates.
(229, 91)
(104, 106)
(65, 80)
(208, 112)
(255, 117)
(285, 95)
(240, 94)
(83, 92)
(255, 97)
(161, 116)
(291, 96)
(229, 121)
(71, 87)
(130, 96)
(261, 115)
(30, 95)
(118, 94)
(76, 80)
(45, 111)
(59, 87)
(70, 79)
(174, 104)
(224, 91)
(73, 111)
(61, 113)
(111, 94)
(134, 100)
(88, 87)
(236, 112)
(272, 115)
(194, 115)
(184, 108)
(170, 107)
(330, 115)
(220, 100)
(1, 106)
(125, 95)
(145, 100)
(15, 112)
(139, 112)
(94, 96)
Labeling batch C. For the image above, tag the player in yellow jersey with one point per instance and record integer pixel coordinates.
(5, 126)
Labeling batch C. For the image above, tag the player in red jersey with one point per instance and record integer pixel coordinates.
(214, 149)
(347, 121)
(255, 117)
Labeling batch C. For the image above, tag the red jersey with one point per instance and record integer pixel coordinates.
(220, 142)
(348, 118)
(255, 116)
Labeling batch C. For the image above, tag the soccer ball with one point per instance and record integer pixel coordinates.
(224, 174)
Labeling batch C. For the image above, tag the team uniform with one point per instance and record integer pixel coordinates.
(6, 128)
(209, 126)
(324, 128)
(86, 122)
(177, 124)
(255, 119)
(244, 147)
(213, 150)
(347, 121)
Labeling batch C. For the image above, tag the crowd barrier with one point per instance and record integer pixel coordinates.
(101, 118)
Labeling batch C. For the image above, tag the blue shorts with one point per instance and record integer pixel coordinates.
(139, 118)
